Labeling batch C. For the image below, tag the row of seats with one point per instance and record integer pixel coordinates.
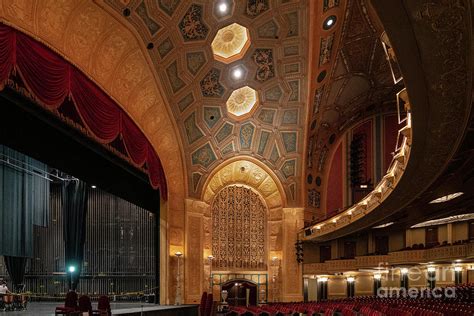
(435, 245)
(73, 305)
(461, 305)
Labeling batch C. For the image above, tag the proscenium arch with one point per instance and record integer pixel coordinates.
(255, 175)
(111, 56)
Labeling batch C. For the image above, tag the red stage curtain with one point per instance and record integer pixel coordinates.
(51, 79)
(156, 173)
(135, 142)
(45, 73)
(96, 109)
(7, 38)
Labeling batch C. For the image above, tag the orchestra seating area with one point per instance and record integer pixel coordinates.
(462, 304)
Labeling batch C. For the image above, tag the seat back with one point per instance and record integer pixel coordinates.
(104, 304)
(209, 305)
(202, 305)
(71, 299)
(85, 304)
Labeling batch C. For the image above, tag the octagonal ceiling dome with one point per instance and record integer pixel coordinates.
(230, 43)
(242, 101)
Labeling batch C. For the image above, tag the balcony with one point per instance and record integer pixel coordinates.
(444, 253)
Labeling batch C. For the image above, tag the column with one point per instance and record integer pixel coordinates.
(450, 233)
(292, 271)
(194, 254)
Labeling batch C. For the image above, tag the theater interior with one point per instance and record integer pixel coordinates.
(236, 157)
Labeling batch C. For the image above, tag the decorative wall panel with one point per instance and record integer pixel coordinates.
(238, 230)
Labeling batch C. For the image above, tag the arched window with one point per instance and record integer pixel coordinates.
(238, 229)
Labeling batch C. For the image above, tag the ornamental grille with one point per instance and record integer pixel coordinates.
(238, 230)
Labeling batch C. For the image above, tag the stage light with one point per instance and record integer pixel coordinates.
(72, 269)
(93, 186)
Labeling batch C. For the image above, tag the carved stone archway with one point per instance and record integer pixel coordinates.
(282, 224)
(248, 171)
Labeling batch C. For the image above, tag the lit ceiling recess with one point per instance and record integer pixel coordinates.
(230, 43)
(242, 101)
(384, 225)
(447, 198)
(329, 22)
(223, 7)
(237, 73)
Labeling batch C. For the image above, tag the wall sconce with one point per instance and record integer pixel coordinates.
(458, 269)
(431, 269)
(378, 276)
(404, 270)
(351, 279)
(322, 279)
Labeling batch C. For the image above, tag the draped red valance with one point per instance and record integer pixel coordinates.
(51, 79)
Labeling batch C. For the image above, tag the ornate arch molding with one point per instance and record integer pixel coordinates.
(111, 56)
(250, 172)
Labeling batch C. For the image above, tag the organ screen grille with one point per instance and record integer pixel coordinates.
(238, 230)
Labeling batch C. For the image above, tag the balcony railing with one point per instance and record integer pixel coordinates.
(444, 253)
(383, 189)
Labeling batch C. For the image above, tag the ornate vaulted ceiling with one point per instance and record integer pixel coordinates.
(178, 35)
(351, 78)
(291, 60)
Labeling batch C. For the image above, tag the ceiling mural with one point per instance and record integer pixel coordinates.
(266, 51)
(352, 79)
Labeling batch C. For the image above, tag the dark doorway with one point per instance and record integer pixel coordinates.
(381, 245)
(349, 250)
(237, 292)
(324, 253)
(431, 237)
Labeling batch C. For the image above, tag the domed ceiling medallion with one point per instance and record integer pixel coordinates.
(242, 101)
(230, 43)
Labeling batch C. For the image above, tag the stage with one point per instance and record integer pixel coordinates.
(135, 309)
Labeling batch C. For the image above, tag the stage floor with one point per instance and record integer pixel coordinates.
(118, 308)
